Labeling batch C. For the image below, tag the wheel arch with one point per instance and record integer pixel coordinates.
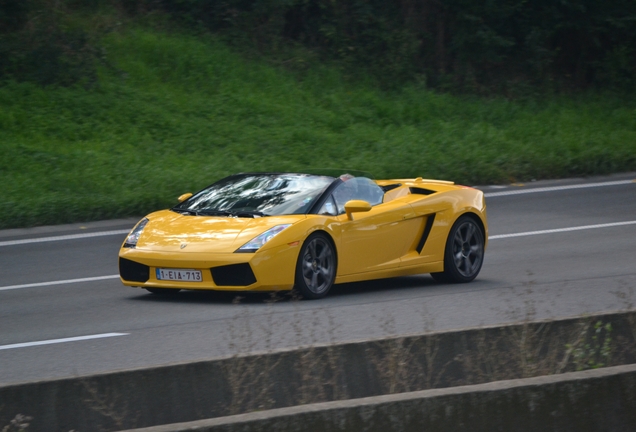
(474, 216)
(451, 274)
(329, 237)
(300, 283)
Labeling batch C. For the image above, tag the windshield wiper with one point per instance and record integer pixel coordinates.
(212, 212)
(184, 211)
(248, 213)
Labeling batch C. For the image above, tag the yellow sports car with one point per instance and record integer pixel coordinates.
(280, 231)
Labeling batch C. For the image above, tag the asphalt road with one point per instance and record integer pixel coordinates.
(557, 249)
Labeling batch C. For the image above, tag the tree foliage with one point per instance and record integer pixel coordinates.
(465, 45)
(461, 44)
(40, 41)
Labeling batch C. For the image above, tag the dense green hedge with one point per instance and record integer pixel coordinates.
(507, 46)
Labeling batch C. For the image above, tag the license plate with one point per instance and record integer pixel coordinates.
(183, 275)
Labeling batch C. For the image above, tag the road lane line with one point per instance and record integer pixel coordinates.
(487, 195)
(56, 341)
(494, 237)
(60, 282)
(557, 188)
(64, 237)
(551, 231)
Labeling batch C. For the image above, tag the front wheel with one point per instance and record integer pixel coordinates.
(316, 267)
(464, 253)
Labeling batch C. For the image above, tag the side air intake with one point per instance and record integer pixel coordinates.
(421, 191)
(427, 230)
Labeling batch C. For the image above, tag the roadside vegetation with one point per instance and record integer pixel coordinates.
(144, 111)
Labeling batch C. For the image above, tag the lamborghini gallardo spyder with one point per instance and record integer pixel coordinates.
(284, 231)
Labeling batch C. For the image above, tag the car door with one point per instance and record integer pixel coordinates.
(376, 240)
(373, 240)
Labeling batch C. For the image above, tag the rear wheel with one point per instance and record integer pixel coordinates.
(464, 253)
(163, 291)
(316, 267)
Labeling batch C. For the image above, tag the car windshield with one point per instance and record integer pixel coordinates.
(253, 195)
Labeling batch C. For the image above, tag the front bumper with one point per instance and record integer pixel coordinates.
(265, 270)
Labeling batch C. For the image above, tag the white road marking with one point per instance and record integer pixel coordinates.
(64, 237)
(551, 231)
(60, 282)
(56, 341)
(487, 195)
(557, 188)
(493, 237)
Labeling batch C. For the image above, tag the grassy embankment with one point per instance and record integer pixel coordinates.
(184, 112)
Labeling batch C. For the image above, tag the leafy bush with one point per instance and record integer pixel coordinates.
(45, 43)
(505, 46)
(501, 45)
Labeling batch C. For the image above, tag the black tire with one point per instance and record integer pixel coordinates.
(163, 291)
(316, 267)
(464, 252)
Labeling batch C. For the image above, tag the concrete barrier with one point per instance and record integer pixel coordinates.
(220, 387)
(594, 400)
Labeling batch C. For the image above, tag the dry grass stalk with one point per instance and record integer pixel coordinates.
(19, 423)
(108, 403)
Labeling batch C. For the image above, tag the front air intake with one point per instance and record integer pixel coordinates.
(233, 275)
(133, 271)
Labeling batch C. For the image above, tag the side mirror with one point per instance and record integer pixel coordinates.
(356, 206)
(184, 197)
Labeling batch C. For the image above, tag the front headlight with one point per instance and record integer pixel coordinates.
(133, 237)
(257, 242)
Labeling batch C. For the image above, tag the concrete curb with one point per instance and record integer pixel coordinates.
(215, 388)
(593, 400)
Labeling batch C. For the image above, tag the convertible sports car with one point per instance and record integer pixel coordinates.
(280, 231)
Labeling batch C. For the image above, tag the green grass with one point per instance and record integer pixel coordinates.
(186, 111)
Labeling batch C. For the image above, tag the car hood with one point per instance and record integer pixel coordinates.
(170, 231)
